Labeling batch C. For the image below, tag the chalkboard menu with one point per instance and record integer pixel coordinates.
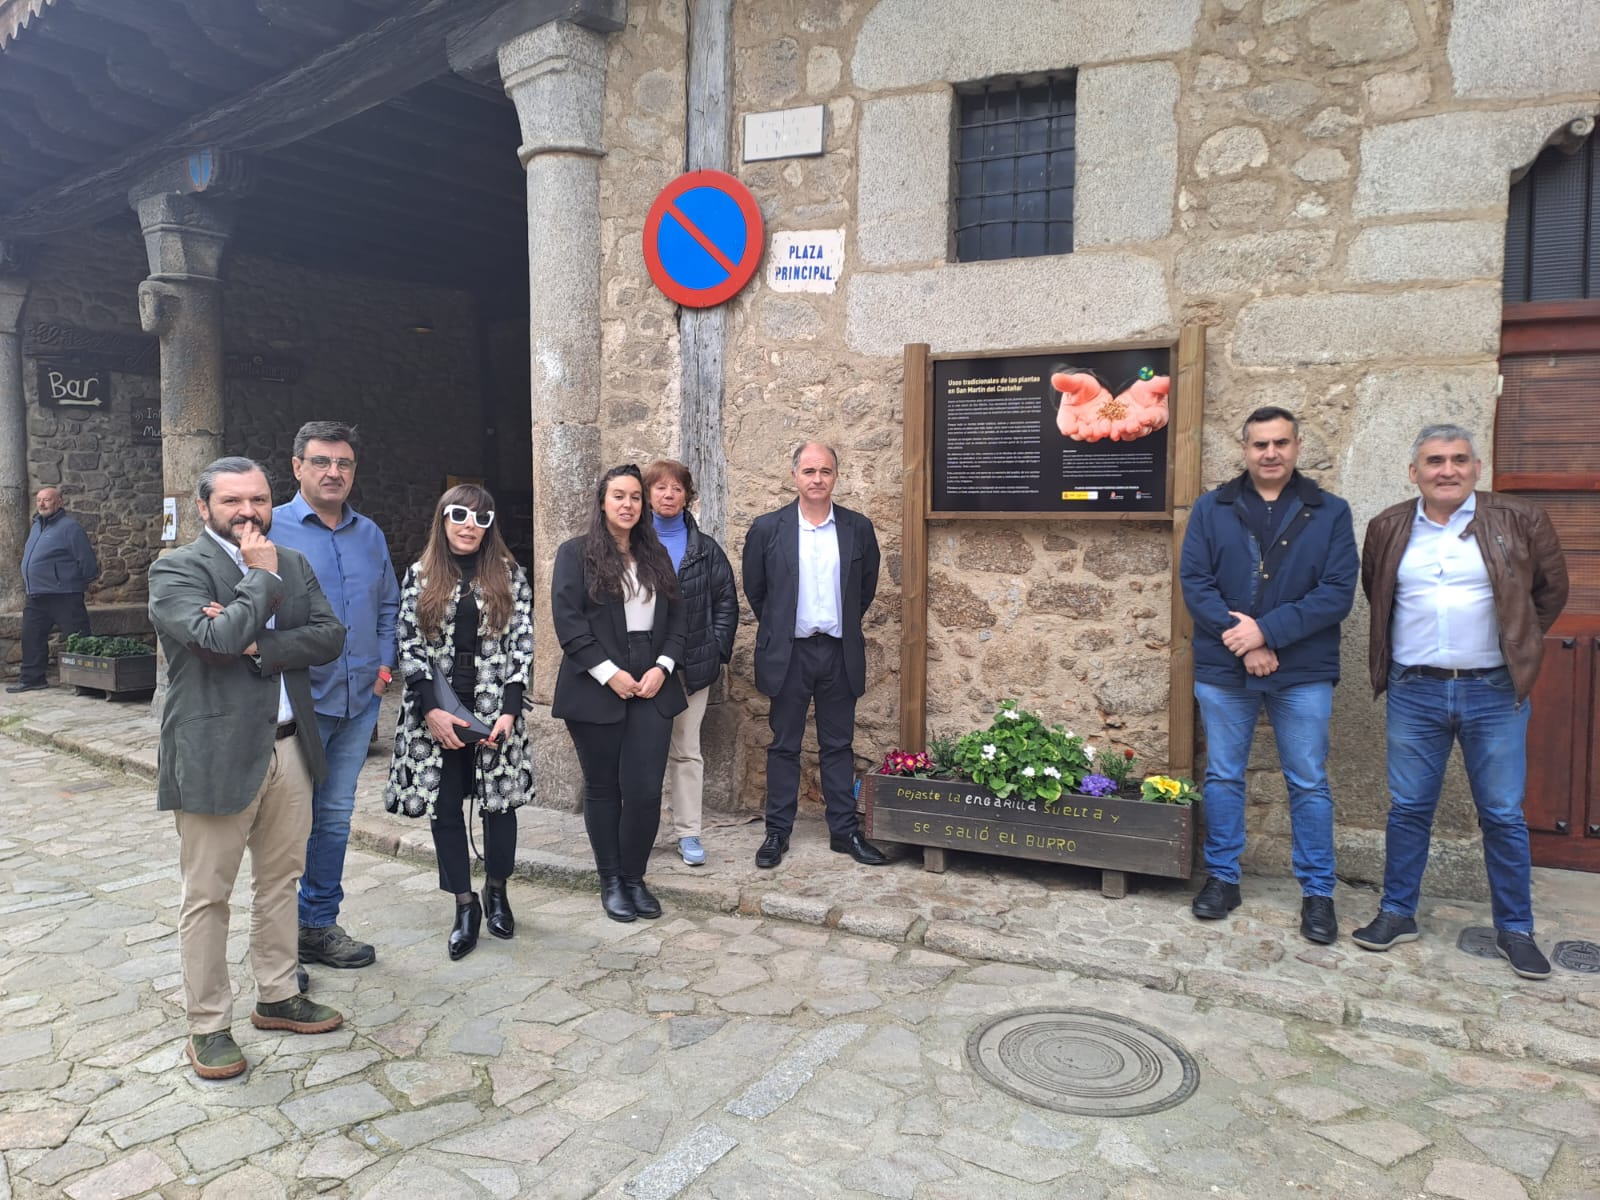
(67, 384)
(1054, 433)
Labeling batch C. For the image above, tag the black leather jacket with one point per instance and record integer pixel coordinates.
(711, 608)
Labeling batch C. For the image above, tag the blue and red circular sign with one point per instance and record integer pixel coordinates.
(702, 238)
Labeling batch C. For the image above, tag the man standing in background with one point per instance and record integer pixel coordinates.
(350, 557)
(58, 565)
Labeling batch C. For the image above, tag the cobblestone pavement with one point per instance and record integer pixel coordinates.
(1036, 915)
(706, 1054)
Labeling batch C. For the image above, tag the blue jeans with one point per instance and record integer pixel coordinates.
(344, 741)
(1299, 715)
(1425, 716)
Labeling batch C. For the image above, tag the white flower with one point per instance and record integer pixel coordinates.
(1088, 752)
(1011, 714)
(1052, 772)
(1028, 772)
(988, 750)
(1070, 734)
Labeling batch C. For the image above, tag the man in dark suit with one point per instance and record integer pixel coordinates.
(241, 620)
(810, 573)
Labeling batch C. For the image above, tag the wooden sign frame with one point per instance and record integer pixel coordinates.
(1183, 488)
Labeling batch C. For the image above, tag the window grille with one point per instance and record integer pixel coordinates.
(1015, 165)
(1553, 228)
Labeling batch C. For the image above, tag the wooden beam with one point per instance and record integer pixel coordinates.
(62, 107)
(1187, 427)
(168, 28)
(60, 65)
(703, 332)
(241, 30)
(324, 20)
(131, 63)
(916, 401)
(384, 61)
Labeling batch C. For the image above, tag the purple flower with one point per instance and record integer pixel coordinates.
(1097, 785)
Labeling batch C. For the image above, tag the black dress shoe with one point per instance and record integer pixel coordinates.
(614, 899)
(1216, 900)
(858, 848)
(1317, 920)
(644, 904)
(464, 933)
(302, 979)
(27, 687)
(772, 850)
(497, 911)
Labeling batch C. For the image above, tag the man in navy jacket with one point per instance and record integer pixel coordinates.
(58, 565)
(1269, 569)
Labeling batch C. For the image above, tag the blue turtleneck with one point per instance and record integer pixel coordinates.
(674, 535)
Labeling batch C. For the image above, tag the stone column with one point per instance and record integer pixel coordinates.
(181, 303)
(15, 506)
(556, 76)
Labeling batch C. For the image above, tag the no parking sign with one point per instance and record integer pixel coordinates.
(702, 238)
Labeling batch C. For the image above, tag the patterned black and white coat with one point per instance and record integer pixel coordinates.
(505, 778)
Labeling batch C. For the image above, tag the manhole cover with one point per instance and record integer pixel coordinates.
(1577, 956)
(1076, 1060)
(1478, 941)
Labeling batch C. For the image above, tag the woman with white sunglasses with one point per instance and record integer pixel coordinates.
(466, 631)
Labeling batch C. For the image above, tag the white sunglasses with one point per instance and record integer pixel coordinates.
(460, 514)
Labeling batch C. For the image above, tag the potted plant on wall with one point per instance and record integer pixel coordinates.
(112, 665)
(1025, 789)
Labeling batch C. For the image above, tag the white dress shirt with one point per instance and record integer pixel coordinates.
(285, 709)
(639, 611)
(818, 603)
(1444, 613)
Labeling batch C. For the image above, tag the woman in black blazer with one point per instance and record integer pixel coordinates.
(618, 616)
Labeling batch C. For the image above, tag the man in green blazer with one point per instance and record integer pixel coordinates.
(240, 620)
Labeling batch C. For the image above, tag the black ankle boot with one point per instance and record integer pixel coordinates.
(464, 933)
(497, 911)
(615, 900)
(644, 904)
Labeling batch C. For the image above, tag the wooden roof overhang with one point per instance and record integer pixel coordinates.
(366, 153)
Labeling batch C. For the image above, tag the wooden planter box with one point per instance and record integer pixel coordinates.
(1115, 835)
(136, 673)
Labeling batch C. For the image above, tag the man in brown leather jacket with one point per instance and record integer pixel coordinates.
(1463, 585)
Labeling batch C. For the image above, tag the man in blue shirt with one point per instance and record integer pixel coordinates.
(1268, 572)
(350, 557)
(58, 565)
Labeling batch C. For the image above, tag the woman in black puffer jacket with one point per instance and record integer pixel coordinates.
(711, 611)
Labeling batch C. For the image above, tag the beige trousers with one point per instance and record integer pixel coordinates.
(274, 827)
(686, 770)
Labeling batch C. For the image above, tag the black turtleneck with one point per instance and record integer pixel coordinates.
(464, 677)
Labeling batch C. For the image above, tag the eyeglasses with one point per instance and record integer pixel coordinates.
(460, 514)
(321, 462)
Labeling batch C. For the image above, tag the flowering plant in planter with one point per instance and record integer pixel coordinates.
(1166, 789)
(1020, 757)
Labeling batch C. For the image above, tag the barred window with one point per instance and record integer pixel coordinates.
(1015, 163)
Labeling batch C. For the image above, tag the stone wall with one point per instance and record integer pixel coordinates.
(415, 397)
(1320, 183)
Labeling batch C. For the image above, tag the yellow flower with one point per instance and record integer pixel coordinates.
(1167, 787)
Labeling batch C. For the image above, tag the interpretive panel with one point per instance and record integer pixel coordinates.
(1052, 433)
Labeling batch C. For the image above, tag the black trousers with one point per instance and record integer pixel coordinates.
(65, 611)
(449, 827)
(623, 767)
(816, 672)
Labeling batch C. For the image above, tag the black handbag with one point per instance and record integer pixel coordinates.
(444, 696)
